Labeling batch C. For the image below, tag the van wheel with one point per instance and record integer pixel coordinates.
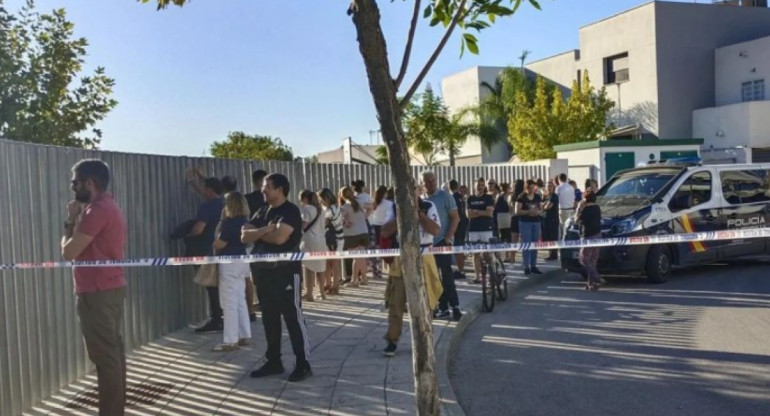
(658, 266)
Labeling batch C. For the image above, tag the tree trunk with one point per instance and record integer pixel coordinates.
(451, 156)
(382, 86)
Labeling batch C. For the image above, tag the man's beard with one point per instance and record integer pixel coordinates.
(83, 195)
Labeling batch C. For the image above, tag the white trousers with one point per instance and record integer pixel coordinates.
(564, 215)
(232, 297)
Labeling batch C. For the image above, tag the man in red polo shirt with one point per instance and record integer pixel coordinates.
(96, 230)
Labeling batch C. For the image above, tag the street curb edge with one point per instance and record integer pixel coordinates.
(446, 350)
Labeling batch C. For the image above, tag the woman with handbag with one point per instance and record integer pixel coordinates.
(313, 239)
(335, 239)
(356, 232)
(232, 277)
(382, 214)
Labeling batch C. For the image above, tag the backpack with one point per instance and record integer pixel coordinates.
(331, 233)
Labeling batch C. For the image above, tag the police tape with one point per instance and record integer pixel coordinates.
(746, 233)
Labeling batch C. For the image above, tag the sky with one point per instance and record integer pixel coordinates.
(185, 77)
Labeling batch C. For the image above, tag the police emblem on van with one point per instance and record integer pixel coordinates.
(746, 222)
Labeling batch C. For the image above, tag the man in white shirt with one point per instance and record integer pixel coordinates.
(566, 194)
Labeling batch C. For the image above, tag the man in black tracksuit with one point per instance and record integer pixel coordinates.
(278, 229)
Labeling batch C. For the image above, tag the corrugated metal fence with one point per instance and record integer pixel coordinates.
(40, 346)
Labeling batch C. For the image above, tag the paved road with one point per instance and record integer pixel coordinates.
(697, 345)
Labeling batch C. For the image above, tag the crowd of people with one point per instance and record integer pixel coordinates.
(230, 222)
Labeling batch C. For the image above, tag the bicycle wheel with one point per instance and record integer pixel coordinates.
(487, 288)
(502, 279)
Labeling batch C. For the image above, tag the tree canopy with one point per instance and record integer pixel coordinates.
(431, 130)
(40, 98)
(538, 123)
(240, 145)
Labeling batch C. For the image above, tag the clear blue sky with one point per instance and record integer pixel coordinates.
(287, 68)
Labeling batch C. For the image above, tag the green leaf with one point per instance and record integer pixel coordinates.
(491, 17)
(471, 43)
(535, 4)
(428, 11)
(516, 5)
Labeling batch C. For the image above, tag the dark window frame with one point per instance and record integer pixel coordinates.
(612, 75)
(753, 90)
(733, 188)
(673, 204)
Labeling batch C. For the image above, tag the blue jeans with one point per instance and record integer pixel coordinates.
(529, 233)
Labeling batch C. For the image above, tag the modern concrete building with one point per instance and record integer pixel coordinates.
(464, 90)
(350, 154)
(657, 62)
(657, 59)
(737, 128)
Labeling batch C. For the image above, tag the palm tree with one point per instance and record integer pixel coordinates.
(466, 123)
(381, 155)
(432, 130)
(497, 107)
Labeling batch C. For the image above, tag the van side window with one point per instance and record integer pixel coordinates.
(745, 186)
(696, 190)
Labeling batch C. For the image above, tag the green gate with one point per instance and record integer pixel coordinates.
(617, 161)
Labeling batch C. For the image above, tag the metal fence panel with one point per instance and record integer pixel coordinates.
(40, 346)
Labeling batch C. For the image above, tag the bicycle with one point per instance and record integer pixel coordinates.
(496, 281)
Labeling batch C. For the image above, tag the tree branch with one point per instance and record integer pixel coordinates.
(409, 41)
(460, 14)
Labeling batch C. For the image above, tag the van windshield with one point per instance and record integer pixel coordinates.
(632, 190)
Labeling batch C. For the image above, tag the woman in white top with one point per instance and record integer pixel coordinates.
(366, 202)
(381, 215)
(333, 224)
(356, 232)
(363, 197)
(313, 239)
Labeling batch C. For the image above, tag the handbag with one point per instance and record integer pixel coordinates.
(386, 243)
(207, 275)
(330, 235)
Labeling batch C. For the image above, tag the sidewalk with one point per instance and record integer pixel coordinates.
(180, 375)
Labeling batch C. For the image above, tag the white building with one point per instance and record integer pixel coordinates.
(350, 154)
(737, 129)
(659, 63)
(657, 60)
(463, 90)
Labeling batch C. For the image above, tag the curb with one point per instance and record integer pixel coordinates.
(445, 351)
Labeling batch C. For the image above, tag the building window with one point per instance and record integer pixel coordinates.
(753, 90)
(580, 79)
(616, 69)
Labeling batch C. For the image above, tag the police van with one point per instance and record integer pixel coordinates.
(678, 196)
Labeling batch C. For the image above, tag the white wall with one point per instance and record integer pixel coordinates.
(632, 32)
(739, 63)
(581, 162)
(561, 68)
(464, 90)
(745, 124)
(555, 166)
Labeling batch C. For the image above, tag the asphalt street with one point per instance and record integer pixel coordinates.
(696, 345)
